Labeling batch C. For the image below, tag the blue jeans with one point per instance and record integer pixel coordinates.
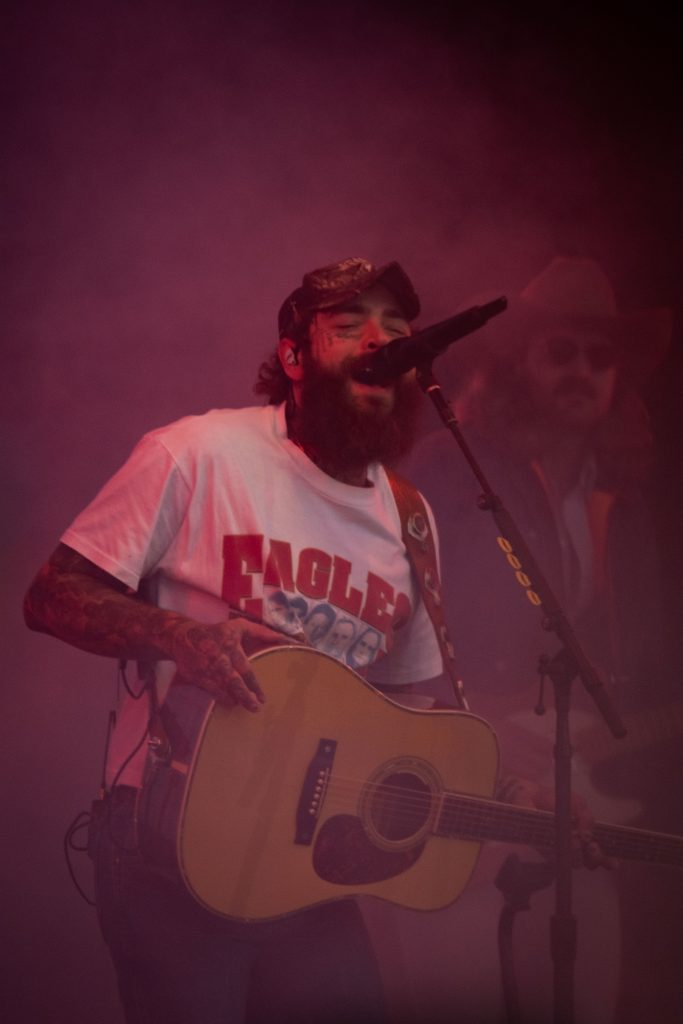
(177, 963)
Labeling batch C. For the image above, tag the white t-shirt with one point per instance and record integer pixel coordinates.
(223, 511)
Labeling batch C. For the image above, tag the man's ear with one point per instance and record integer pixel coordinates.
(288, 351)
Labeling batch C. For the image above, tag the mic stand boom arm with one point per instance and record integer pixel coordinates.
(562, 669)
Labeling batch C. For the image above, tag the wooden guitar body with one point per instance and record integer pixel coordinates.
(333, 790)
(261, 821)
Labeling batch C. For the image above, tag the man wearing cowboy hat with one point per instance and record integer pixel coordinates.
(547, 398)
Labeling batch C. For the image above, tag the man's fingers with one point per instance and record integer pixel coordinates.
(239, 690)
(252, 685)
(587, 852)
(242, 690)
(592, 854)
(243, 671)
(233, 682)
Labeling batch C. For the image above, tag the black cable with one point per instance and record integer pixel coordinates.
(87, 819)
(81, 821)
(121, 845)
(136, 695)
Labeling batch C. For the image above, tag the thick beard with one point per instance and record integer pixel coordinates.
(343, 436)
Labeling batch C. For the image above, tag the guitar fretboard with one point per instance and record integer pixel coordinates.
(466, 817)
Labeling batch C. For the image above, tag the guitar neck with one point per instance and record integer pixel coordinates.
(465, 817)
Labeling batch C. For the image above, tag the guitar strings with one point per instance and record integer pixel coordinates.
(456, 812)
(451, 808)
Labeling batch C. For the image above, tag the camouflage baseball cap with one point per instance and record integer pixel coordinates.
(336, 283)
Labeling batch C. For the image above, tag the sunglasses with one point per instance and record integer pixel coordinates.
(600, 354)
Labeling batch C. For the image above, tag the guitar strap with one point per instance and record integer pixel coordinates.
(419, 541)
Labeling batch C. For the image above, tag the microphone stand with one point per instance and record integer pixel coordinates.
(568, 663)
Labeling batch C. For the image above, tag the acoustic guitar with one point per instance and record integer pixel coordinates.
(332, 790)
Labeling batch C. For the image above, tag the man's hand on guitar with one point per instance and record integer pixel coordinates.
(214, 657)
(74, 599)
(525, 793)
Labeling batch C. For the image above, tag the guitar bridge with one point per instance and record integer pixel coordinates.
(313, 791)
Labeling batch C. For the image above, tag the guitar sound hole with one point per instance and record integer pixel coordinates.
(400, 806)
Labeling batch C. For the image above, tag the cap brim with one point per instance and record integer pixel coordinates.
(393, 277)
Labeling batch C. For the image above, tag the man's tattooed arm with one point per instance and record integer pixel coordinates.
(73, 599)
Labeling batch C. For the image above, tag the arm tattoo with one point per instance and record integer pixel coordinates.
(75, 600)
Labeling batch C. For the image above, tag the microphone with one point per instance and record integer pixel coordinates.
(402, 354)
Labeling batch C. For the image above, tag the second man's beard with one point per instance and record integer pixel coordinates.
(344, 435)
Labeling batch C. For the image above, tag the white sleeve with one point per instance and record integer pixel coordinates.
(129, 525)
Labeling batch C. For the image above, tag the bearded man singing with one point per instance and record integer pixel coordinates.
(222, 534)
(207, 519)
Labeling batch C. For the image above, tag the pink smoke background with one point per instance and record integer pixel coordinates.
(171, 170)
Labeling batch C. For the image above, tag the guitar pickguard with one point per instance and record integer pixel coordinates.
(344, 855)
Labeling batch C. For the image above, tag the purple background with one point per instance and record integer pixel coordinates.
(171, 170)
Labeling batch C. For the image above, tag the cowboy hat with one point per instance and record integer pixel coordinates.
(575, 292)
